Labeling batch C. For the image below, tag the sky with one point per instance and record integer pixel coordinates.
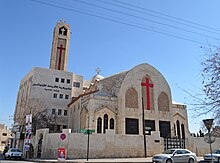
(114, 35)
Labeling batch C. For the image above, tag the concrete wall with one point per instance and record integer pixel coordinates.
(200, 147)
(101, 145)
(111, 145)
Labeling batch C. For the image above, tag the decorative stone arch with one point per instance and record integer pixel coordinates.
(163, 102)
(147, 92)
(107, 116)
(131, 98)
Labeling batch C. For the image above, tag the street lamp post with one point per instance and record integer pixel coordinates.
(208, 124)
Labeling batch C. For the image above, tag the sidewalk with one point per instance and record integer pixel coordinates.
(102, 160)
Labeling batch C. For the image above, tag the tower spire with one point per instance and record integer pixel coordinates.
(60, 46)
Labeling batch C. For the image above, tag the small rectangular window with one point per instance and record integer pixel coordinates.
(61, 96)
(65, 112)
(3, 142)
(59, 112)
(66, 96)
(64, 127)
(58, 128)
(4, 134)
(54, 95)
(68, 81)
(53, 111)
(76, 84)
(56, 79)
(62, 80)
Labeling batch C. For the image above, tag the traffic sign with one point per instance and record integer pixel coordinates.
(63, 136)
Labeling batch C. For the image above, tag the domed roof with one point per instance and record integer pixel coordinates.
(97, 77)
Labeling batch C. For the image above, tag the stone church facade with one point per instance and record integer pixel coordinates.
(117, 102)
(123, 111)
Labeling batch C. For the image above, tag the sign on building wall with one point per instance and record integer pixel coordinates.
(61, 154)
(28, 132)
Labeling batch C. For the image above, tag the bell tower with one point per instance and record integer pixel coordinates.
(60, 46)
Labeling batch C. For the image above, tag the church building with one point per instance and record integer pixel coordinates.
(131, 102)
(118, 109)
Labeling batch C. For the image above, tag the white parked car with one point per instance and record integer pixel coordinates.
(175, 156)
(14, 153)
(215, 156)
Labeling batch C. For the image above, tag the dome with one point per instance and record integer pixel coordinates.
(97, 78)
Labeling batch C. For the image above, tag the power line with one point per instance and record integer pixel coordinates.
(153, 21)
(173, 17)
(177, 22)
(117, 21)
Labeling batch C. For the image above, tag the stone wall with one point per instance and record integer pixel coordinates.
(111, 145)
(101, 145)
(200, 147)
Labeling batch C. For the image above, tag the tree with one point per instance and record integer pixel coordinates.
(41, 115)
(209, 103)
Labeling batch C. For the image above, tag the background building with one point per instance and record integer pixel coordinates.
(5, 137)
(45, 93)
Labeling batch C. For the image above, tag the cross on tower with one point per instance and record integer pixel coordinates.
(98, 70)
(63, 30)
(60, 55)
(147, 85)
(62, 20)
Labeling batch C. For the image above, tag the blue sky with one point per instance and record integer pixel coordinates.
(113, 46)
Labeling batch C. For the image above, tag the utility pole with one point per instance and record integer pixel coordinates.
(87, 157)
(143, 122)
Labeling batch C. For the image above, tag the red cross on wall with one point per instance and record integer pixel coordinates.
(147, 85)
(60, 55)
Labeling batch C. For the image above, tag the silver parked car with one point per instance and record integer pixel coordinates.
(174, 156)
(215, 156)
(14, 153)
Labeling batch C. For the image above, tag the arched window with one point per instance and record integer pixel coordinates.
(178, 128)
(105, 123)
(163, 102)
(63, 31)
(183, 131)
(99, 125)
(131, 98)
(111, 123)
(174, 127)
(147, 93)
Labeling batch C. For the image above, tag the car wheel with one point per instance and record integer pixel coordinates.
(168, 161)
(191, 160)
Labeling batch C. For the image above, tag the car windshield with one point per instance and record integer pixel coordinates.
(15, 150)
(170, 151)
(216, 151)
